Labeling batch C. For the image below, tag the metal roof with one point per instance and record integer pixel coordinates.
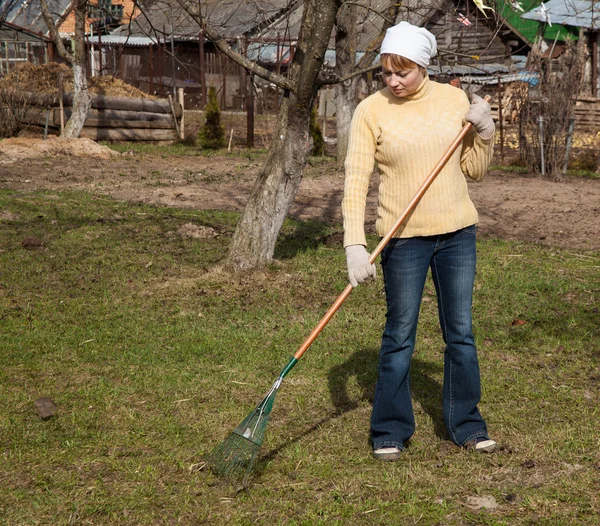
(14, 32)
(576, 13)
(231, 18)
(121, 40)
(369, 21)
(28, 14)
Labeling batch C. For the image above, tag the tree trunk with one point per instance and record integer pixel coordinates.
(345, 92)
(254, 239)
(350, 18)
(81, 103)
(81, 95)
(345, 104)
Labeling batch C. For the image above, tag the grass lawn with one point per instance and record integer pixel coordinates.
(153, 354)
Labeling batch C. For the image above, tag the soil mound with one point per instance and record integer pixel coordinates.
(19, 148)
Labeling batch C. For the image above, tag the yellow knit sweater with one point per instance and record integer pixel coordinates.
(407, 137)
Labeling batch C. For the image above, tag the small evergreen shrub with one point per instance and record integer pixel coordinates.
(188, 140)
(316, 134)
(212, 134)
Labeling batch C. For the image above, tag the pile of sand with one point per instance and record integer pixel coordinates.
(19, 148)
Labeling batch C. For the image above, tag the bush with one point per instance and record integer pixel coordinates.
(547, 108)
(212, 134)
(316, 134)
(17, 111)
(588, 160)
(188, 140)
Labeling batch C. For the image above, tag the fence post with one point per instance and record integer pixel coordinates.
(182, 121)
(250, 113)
(569, 141)
(500, 118)
(541, 122)
(202, 69)
(100, 61)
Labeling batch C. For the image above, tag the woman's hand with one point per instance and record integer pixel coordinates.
(359, 268)
(480, 115)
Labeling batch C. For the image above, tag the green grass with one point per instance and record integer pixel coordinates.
(153, 354)
(585, 174)
(178, 149)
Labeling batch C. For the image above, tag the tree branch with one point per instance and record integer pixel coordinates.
(377, 12)
(52, 29)
(223, 45)
(364, 64)
(339, 80)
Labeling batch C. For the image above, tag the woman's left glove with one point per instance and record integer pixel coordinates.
(480, 115)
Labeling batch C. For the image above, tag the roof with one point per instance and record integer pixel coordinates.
(576, 13)
(28, 14)
(231, 18)
(510, 12)
(10, 31)
(121, 40)
(370, 21)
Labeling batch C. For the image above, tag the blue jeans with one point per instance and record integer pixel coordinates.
(405, 262)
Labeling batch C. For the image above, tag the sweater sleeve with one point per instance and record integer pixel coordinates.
(359, 164)
(476, 155)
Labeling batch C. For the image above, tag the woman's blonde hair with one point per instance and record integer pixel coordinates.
(393, 62)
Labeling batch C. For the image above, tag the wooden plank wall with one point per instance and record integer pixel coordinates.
(587, 114)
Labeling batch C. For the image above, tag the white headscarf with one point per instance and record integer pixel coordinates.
(412, 42)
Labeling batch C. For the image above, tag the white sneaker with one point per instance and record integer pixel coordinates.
(387, 454)
(485, 446)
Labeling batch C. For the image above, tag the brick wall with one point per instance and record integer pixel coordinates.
(129, 11)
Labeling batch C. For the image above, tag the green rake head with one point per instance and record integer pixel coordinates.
(234, 458)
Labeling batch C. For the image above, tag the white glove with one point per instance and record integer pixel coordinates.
(480, 115)
(359, 268)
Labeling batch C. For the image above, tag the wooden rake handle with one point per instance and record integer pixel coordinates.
(411, 206)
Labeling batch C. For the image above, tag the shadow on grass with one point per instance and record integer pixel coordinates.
(303, 236)
(362, 366)
(428, 392)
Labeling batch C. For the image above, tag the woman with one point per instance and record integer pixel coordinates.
(406, 127)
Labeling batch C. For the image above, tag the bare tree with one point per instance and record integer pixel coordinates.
(254, 239)
(76, 58)
(350, 18)
(346, 36)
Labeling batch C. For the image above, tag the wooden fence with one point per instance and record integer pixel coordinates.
(587, 114)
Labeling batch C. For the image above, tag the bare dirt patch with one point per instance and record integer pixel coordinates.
(511, 206)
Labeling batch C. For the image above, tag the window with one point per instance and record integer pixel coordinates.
(105, 9)
(11, 54)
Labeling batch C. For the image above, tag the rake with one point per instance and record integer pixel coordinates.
(236, 455)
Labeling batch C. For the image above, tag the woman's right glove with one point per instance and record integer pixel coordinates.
(359, 268)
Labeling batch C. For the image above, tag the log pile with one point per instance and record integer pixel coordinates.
(121, 118)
